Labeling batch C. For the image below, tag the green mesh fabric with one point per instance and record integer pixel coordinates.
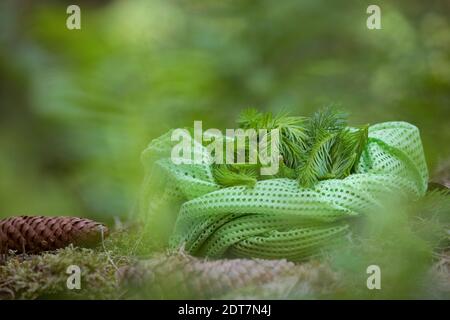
(277, 218)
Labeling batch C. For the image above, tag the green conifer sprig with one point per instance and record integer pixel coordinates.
(235, 174)
(311, 149)
(293, 135)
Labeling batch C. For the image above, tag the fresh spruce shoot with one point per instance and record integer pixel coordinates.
(311, 149)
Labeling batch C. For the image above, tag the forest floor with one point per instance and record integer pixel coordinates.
(45, 276)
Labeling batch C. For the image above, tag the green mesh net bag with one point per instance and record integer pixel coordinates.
(277, 218)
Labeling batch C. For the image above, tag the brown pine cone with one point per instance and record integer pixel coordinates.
(26, 234)
(182, 276)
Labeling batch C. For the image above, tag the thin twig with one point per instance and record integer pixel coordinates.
(104, 249)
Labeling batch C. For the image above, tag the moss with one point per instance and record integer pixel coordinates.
(44, 276)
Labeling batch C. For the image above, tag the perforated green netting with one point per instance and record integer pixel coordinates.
(277, 218)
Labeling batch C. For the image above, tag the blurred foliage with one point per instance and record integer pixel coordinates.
(77, 107)
(403, 240)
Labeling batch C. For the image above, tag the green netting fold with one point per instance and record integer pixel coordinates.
(277, 218)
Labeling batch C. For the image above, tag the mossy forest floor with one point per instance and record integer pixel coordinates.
(45, 276)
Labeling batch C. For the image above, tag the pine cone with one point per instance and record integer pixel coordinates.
(185, 277)
(36, 234)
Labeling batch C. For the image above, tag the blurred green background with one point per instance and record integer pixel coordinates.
(78, 106)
